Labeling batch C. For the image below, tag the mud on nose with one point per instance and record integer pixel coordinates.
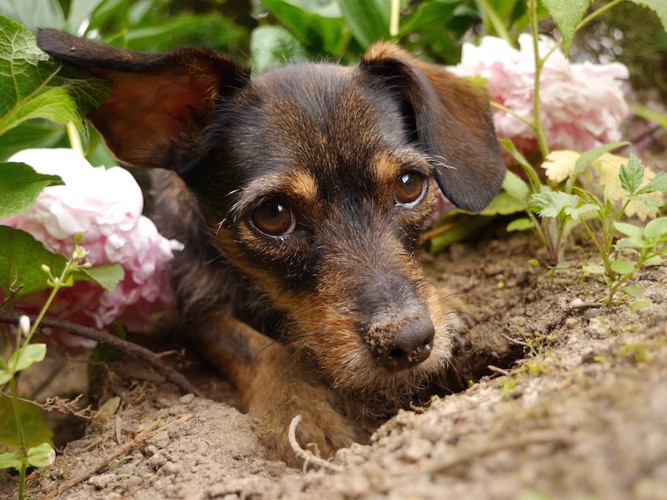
(401, 344)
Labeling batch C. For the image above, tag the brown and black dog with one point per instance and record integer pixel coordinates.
(300, 196)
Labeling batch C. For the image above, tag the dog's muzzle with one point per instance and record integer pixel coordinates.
(400, 341)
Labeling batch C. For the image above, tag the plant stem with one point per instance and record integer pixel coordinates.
(497, 105)
(394, 18)
(19, 426)
(496, 22)
(57, 285)
(74, 138)
(534, 29)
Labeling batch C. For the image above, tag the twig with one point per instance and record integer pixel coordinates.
(125, 449)
(498, 370)
(125, 346)
(508, 444)
(305, 455)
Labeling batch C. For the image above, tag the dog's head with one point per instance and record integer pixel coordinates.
(314, 181)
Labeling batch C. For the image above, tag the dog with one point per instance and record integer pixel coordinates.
(300, 196)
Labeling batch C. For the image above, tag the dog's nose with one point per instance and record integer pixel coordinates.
(409, 345)
(412, 344)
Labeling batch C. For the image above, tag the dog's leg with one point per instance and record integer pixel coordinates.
(274, 388)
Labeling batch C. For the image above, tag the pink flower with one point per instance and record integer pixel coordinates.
(582, 105)
(105, 206)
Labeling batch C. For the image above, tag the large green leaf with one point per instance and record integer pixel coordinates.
(657, 6)
(34, 14)
(21, 259)
(19, 187)
(368, 20)
(313, 21)
(35, 427)
(567, 14)
(34, 86)
(272, 46)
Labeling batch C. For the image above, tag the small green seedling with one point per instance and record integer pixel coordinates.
(601, 218)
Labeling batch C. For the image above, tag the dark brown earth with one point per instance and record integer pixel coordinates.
(574, 405)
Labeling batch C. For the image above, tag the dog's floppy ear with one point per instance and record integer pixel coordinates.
(159, 103)
(451, 120)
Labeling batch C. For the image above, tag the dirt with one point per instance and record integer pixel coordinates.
(574, 405)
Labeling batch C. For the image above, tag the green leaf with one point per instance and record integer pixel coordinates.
(35, 427)
(631, 175)
(566, 14)
(20, 186)
(656, 260)
(582, 211)
(633, 291)
(26, 356)
(368, 20)
(34, 13)
(522, 224)
(629, 244)
(41, 455)
(629, 230)
(313, 21)
(10, 461)
(639, 304)
(656, 230)
(657, 6)
(593, 269)
(552, 204)
(649, 114)
(657, 184)
(458, 233)
(516, 187)
(504, 204)
(35, 86)
(107, 276)
(622, 267)
(588, 157)
(272, 46)
(20, 262)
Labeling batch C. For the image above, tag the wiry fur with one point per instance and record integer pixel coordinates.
(332, 319)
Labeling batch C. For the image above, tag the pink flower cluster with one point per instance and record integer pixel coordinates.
(582, 105)
(105, 206)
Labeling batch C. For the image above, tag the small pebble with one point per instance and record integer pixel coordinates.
(187, 399)
(571, 323)
(157, 461)
(102, 481)
(170, 468)
(161, 439)
(132, 482)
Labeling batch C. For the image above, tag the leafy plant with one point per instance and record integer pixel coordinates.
(643, 245)
(32, 86)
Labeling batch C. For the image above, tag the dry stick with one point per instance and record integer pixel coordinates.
(123, 450)
(105, 338)
(445, 465)
(305, 455)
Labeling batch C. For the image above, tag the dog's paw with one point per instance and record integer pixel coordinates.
(323, 429)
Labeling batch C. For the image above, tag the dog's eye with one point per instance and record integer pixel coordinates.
(273, 217)
(409, 188)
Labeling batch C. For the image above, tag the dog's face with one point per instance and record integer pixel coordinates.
(314, 182)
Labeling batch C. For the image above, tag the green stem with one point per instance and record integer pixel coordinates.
(605, 257)
(496, 22)
(539, 131)
(57, 285)
(505, 109)
(74, 138)
(22, 443)
(394, 18)
(597, 13)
